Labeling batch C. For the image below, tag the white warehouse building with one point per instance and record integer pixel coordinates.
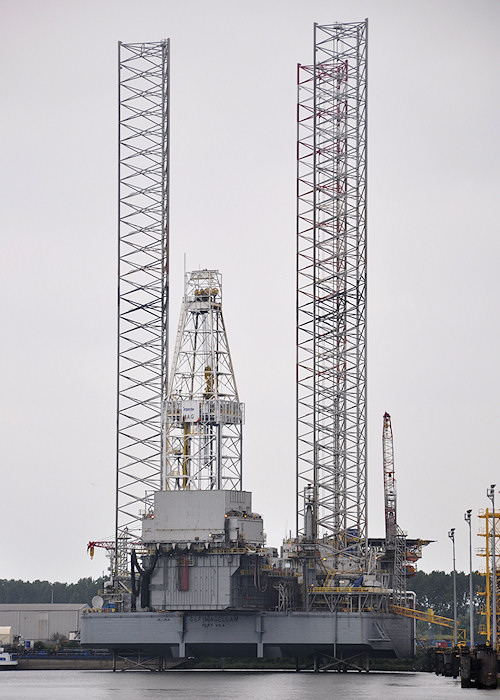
(39, 621)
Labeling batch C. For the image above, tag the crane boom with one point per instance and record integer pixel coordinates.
(389, 482)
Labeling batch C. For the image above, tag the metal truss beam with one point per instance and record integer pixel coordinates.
(143, 280)
(331, 288)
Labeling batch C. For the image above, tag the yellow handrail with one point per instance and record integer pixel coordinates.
(429, 616)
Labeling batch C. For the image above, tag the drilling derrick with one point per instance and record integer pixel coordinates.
(331, 293)
(203, 416)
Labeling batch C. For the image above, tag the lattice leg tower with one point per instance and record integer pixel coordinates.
(331, 288)
(143, 281)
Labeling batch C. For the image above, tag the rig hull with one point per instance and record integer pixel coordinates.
(260, 634)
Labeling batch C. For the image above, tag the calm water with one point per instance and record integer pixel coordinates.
(106, 685)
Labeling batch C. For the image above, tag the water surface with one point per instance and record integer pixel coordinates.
(233, 685)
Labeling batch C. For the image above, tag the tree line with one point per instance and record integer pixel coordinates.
(435, 590)
(16, 591)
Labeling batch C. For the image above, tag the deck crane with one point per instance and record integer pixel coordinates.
(389, 483)
(395, 539)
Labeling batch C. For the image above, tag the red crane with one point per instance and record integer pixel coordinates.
(391, 528)
(109, 546)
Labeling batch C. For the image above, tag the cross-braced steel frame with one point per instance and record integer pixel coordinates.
(331, 287)
(203, 416)
(143, 280)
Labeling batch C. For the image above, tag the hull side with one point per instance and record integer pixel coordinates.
(244, 633)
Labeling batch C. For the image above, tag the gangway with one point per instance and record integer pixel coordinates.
(431, 617)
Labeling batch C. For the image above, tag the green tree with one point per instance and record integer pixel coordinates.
(435, 591)
(16, 591)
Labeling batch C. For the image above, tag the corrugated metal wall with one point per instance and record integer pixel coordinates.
(207, 582)
(39, 623)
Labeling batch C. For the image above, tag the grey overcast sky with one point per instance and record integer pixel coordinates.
(433, 171)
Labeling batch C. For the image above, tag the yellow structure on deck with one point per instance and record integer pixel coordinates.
(430, 616)
(486, 552)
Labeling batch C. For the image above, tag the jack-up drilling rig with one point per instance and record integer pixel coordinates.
(191, 574)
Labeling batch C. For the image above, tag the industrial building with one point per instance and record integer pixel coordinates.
(38, 622)
(191, 574)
